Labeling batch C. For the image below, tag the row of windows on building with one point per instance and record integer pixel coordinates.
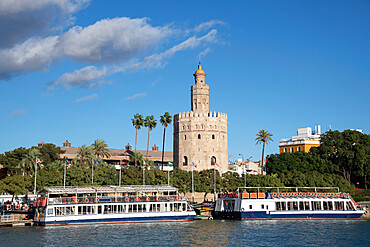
(292, 149)
(185, 161)
(200, 137)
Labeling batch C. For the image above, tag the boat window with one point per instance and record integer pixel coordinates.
(250, 206)
(301, 206)
(283, 205)
(262, 206)
(295, 205)
(325, 205)
(306, 205)
(278, 206)
(99, 210)
(316, 205)
(330, 205)
(349, 206)
(339, 205)
(50, 211)
(290, 205)
(134, 208)
(64, 211)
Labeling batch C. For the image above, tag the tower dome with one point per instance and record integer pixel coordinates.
(199, 70)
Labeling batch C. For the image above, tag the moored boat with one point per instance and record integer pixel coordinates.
(259, 203)
(110, 204)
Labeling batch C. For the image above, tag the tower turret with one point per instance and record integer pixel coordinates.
(200, 92)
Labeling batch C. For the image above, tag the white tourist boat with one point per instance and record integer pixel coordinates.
(259, 203)
(110, 204)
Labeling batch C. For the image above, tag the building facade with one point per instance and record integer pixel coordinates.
(200, 136)
(120, 156)
(305, 139)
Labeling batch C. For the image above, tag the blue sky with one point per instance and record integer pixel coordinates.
(79, 70)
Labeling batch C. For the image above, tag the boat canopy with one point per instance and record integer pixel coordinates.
(106, 189)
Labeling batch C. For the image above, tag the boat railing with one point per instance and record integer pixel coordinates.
(113, 199)
(7, 218)
(268, 195)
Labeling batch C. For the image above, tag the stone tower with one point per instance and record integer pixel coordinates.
(200, 136)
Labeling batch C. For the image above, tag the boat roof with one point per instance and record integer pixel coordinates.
(106, 189)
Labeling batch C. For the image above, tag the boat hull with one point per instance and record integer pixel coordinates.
(263, 215)
(113, 219)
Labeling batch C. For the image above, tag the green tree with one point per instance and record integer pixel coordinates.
(136, 158)
(150, 123)
(29, 161)
(137, 122)
(85, 154)
(50, 153)
(100, 149)
(165, 120)
(263, 136)
(348, 150)
(16, 184)
(12, 161)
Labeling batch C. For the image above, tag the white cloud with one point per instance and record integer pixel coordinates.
(90, 97)
(35, 17)
(34, 54)
(138, 95)
(203, 54)
(84, 77)
(87, 76)
(207, 25)
(17, 112)
(111, 40)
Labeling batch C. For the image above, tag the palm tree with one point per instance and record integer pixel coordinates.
(136, 157)
(149, 122)
(137, 122)
(100, 148)
(265, 137)
(165, 120)
(85, 153)
(29, 161)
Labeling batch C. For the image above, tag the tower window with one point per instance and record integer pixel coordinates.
(185, 161)
(184, 137)
(213, 136)
(213, 161)
(199, 137)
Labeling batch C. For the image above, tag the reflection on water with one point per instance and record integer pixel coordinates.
(199, 233)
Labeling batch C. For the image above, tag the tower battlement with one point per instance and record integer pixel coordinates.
(212, 114)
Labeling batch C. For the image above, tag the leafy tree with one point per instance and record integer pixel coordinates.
(85, 154)
(263, 136)
(165, 120)
(349, 150)
(137, 122)
(136, 158)
(16, 184)
(100, 149)
(29, 161)
(151, 123)
(12, 161)
(50, 153)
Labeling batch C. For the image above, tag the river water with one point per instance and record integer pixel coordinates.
(200, 233)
